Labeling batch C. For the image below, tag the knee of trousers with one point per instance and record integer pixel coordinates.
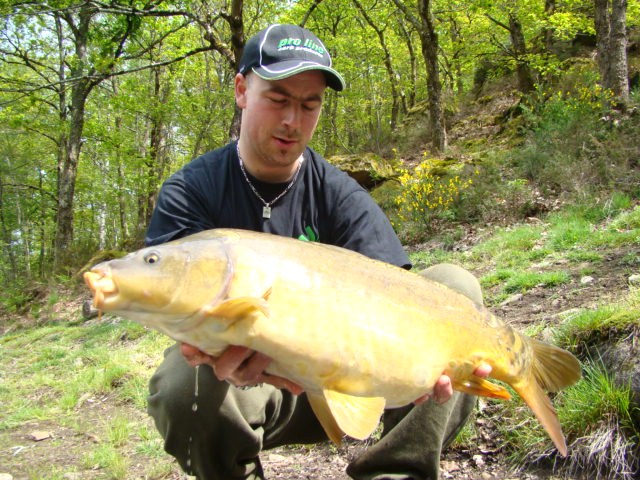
(456, 278)
(211, 433)
(173, 394)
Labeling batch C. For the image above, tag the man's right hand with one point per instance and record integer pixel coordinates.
(239, 366)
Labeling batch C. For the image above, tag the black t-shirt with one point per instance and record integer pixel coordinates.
(324, 204)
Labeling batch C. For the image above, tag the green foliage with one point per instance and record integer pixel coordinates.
(563, 151)
(106, 456)
(590, 326)
(521, 281)
(626, 220)
(427, 193)
(594, 402)
(567, 24)
(511, 248)
(97, 354)
(190, 103)
(580, 226)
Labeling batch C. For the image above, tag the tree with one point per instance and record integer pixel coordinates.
(610, 19)
(391, 74)
(424, 25)
(91, 41)
(213, 20)
(518, 50)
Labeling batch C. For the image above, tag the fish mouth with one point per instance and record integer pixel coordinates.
(102, 284)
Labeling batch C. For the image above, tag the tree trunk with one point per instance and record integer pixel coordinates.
(523, 71)
(7, 242)
(429, 42)
(618, 80)
(518, 51)
(547, 32)
(414, 71)
(123, 238)
(391, 74)
(601, 24)
(156, 160)
(611, 43)
(67, 175)
(456, 40)
(69, 148)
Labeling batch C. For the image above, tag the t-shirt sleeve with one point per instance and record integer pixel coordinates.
(360, 224)
(181, 209)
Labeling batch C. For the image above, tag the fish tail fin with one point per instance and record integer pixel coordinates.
(552, 368)
(539, 402)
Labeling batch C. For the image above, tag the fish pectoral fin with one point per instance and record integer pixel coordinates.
(479, 386)
(239, 307)
(325, 417)
(358, 417)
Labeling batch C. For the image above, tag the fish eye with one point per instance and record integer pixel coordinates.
(151, 258)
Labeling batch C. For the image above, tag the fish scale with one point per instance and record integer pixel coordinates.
(359, 335)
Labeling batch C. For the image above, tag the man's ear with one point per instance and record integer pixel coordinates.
(241, 86)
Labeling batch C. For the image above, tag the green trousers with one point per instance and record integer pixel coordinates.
(217, 431)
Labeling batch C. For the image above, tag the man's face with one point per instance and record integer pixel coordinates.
(280, 116)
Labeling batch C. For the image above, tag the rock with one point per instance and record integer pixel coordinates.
(6, 476)
(450, 466)
(622, 361)
(634, 280)
(39, 435)
(367, 169)
(277, 458)
(72, 476)
(88, 310)
(512, 299)
(586, 280)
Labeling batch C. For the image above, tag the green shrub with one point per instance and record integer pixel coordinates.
(429, 192)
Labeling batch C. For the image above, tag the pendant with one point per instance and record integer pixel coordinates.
(266, 212)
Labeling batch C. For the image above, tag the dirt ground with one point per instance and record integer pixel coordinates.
(28, 458)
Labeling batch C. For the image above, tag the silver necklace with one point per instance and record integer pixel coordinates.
(266, 209)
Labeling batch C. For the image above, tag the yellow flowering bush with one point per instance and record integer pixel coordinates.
(425, 194)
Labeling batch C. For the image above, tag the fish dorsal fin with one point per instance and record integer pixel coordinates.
(325, 417)
(235, 308)
(358, 417)
(479, 386)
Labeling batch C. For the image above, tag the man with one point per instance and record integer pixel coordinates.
(215, 421)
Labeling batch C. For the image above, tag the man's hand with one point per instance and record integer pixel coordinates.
(239, 366)
(442, 390)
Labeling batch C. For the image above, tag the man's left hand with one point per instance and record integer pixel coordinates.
(443, 390)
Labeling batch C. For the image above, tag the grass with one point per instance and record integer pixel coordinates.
(521, 257)
(591, 326)
(595, 415)
(516, 281)
(59, 376)
(99, 362)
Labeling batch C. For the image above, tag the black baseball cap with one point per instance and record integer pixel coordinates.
(282, 50)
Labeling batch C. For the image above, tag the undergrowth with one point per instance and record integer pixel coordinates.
(595, 415)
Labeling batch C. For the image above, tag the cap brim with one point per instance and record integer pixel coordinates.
(278, 71)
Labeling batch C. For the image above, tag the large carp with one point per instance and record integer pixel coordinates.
(359, 335)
